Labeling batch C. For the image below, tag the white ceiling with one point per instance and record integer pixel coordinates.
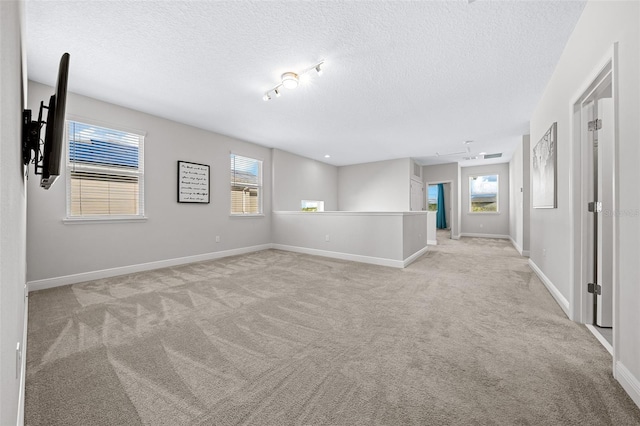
(401, 78)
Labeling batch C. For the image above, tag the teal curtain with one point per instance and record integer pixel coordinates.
(441, 217)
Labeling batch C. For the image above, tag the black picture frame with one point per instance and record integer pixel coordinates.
(193, 183)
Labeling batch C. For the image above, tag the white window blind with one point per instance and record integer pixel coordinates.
(246, 185)
(105, 172)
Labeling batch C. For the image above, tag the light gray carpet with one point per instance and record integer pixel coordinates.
(467, 335)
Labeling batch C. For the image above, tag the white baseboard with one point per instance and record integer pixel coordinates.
(629, 382)
(344, 256)
(600, 338)
(523, 253)
(557, 295)
(474, 235)
(432, 242)
(409, 260)
(123, 270)
(23, 365)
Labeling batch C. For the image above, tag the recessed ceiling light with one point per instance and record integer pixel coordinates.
(327, 156)
(483, 153)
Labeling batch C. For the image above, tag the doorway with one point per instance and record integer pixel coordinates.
(439, 200)
(595, 139)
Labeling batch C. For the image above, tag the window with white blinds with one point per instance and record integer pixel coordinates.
(105, 173)
(246, 185)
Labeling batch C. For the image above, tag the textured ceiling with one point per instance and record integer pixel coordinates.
(401, 79)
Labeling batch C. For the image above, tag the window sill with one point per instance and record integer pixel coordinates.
(247, 215)
(102, 219)
(482, 213)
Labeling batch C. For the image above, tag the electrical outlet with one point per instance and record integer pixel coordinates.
(217, 238)
(326, 237)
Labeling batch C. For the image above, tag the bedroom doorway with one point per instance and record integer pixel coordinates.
(595, 206)
(439, 200)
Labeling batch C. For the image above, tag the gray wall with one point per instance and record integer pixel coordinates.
(519, 196)
(12, 209)
(173, 230)
(383, 186)
(601, 25)
(297, 178)
(486, 223)
(447, 173)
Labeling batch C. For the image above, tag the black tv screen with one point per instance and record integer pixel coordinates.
(54, 135)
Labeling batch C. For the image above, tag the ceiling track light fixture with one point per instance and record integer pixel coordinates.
(290, 80)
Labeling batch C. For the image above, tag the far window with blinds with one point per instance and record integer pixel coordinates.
(246, 185)
(105, 173)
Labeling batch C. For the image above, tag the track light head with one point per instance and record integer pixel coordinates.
(277, 91)
(266, 97)
(319, 68)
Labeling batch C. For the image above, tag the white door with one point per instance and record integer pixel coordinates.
(604, 304)
(416, 195)
(599, 126)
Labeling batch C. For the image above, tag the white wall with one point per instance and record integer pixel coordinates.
(297, 178)
(601, 25)
(414, 232)
(12, 209)
(56, 249)
(519, 197)
(383, 186)
(383, 238)
(486, 223)
(447, 173)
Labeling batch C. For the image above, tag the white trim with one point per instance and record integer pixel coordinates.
(409, 260)
(604, 342)
(348, 213)
(515, 245)
(85, 220)
(523, 253)
(106, 124)
(23, 366)
(474, 235)
(123, 270)
(432, 242)
(629, 382)
(344, 256)
(557, 295)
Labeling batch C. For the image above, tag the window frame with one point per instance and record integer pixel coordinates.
(259, 186)
(140, 173)
(471, 177)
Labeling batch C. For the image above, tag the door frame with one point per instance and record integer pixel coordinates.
(579, 300)
(426, 192)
